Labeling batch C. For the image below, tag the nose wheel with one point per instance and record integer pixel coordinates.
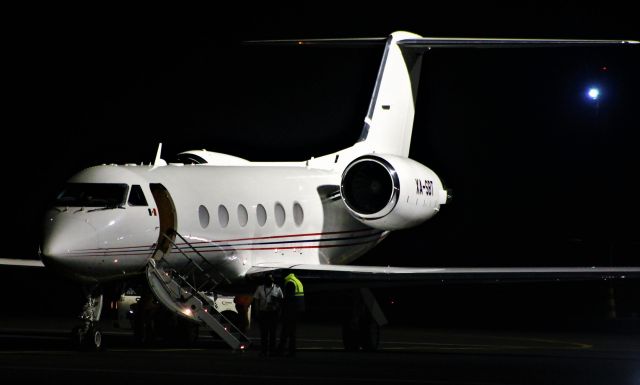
(87, 337)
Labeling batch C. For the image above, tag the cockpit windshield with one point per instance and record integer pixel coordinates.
(93, 195)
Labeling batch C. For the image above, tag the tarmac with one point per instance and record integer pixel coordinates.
(37, 350)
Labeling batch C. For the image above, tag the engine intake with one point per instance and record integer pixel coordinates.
(370, 187)
(389, 192)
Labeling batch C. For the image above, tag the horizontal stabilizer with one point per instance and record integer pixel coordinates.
(346, 42)
(435, 42)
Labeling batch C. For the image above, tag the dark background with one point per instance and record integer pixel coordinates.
(541, 176)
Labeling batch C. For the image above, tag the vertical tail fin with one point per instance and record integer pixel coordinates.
(389, 121)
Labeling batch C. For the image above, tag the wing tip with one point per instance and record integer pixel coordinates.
(21, 262)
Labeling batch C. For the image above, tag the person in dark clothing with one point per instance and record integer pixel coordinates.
(292, 306)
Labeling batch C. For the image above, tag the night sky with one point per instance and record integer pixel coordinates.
(540, 175)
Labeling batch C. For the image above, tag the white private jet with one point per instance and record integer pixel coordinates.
(196, 227)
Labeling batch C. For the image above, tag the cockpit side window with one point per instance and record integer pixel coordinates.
(136, 197)
(93, 195)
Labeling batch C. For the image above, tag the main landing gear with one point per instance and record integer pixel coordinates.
(361, 329)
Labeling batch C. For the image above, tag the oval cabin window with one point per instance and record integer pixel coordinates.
(279, 214)
(298, 214)
(243, 216)
(203, 215)
(261, 215)
(223, 216)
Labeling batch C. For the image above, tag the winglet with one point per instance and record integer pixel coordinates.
(159, 161)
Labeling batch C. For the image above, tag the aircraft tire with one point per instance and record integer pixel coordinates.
(93, 339)
(369, 336)
(87, 340)
(350, 337)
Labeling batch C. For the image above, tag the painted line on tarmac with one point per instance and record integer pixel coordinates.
(540, 344)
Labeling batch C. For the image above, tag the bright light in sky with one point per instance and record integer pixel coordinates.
(593, 93)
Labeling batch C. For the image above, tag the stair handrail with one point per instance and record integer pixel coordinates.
(200, 255)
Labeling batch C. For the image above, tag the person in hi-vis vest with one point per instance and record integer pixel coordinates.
(293, 305)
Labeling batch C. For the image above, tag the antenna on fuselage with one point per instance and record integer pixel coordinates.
(159, 161)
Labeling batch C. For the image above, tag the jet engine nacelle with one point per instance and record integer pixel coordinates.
(389, 192)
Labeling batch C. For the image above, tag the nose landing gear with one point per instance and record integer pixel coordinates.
(88, 336)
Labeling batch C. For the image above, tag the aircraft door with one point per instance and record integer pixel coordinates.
(167, 214)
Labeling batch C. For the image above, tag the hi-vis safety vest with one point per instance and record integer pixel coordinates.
(296, 283)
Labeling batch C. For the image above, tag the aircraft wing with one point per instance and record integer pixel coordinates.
(337, 276)
(21, 262)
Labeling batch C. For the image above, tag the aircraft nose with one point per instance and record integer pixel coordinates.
(64, 240)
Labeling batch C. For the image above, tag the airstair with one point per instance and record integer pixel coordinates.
(183, 290)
